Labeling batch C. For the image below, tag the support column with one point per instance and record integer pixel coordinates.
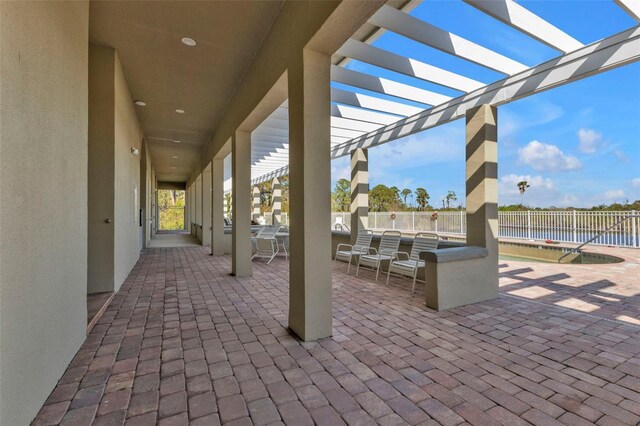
(276, 205)
(359, 192)
(206, 206)
(310, 200)
(217, 207)
(241, 224)
(482, 185)
(256, 202)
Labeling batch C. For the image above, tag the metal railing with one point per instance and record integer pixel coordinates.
(568, 226)
(601, 233)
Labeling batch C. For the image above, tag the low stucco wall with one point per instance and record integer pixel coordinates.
(43, 188)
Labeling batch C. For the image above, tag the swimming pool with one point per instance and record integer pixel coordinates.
(542, 253)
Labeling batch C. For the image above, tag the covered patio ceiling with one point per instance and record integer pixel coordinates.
(380, 94)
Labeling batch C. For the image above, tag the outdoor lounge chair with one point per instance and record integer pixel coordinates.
(267, 246)
(346, 252)
(409, 267)
(387, 251)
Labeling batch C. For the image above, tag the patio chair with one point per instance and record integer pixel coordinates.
(346, 252)
(267, 246)
(409, 267)
(387, 251)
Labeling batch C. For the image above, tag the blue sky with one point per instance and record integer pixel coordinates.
(577, 145)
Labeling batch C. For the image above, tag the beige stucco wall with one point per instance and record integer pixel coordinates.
(101, 169)
(114, 174)
(127, 180)
(43, 188)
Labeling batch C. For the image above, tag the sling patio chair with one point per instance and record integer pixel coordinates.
(267, 246)
(387, 251)
(409, 264)
(346, 252)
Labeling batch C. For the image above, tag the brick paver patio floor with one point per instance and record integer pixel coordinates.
(185, 343)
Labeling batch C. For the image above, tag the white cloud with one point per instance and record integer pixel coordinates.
(589, 140)
(541, 156)
(635, 182)
(537, 113)
(509, 184)
(614, 194)
(542, 192)
(620, 155)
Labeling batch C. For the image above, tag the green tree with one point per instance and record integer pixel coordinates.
(450, 197)
(422, 198)
(342, 195)
(382, 198)
(266, 189)
(405, 193)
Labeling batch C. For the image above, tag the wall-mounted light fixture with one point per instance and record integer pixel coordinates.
(135, 151)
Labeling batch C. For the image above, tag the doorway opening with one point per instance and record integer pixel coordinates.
(171, 204)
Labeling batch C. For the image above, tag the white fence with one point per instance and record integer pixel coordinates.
(564, 226)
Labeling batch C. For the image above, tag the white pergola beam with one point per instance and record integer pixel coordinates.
(344, 111)
(385, 86)
(604, 55)
(401, 23)
(336, 131)
(411, 67)
(522, 19)
(345, 123)
(373, 103)
(632, 7)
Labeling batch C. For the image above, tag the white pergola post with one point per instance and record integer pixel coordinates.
(256, 202)
(241, 225)
(276, 205)
(482, 188)
(217, 207)
(310, 200)
(206, 206)
(359, 192)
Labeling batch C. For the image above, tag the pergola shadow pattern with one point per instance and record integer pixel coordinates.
(183, 342)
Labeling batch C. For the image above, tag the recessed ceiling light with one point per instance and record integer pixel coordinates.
(180, 111)
(188, 41)
(177, 141)
(140, 103)
(175, 156)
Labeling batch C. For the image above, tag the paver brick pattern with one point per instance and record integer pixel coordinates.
(183, 342)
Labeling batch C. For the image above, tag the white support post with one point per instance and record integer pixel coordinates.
(575, 227)
(310, 266)
(528, 224)
(634, 230)
(241, 222)
(217, 207)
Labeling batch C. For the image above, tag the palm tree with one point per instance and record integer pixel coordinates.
(405, 193)
(451, 196)
(522, 187)
(422, 198)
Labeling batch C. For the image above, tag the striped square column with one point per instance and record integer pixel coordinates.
(359, 191)
(276, 205)
(482, 189)
(256, 202)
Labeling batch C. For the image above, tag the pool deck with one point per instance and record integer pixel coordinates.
(609, 291)
(183, 342)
